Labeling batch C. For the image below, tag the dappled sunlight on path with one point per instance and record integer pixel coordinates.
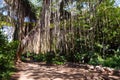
(42, 71)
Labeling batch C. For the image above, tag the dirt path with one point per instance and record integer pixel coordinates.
(69, 71)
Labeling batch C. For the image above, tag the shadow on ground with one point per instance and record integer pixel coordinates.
(42, 71)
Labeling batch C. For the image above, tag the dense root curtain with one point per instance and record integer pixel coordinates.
(38, 39)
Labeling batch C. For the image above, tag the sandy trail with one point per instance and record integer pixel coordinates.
(42, 71)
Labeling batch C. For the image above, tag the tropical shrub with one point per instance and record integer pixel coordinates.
(7, 55)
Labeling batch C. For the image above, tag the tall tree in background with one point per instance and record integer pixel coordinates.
(18, 10)
(65, 27)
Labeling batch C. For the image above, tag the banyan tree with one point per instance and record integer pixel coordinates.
(62, 26)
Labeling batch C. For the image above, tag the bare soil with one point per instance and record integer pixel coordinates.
(68, 71)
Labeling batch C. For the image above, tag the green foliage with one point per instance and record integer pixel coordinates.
(49, 57)
(2, 23)
(3, 39)
(7, 55)
(93, 37)
(113, 62)
(75, 57)
(59, 60)
(96, 60)
(89, 37)
(78, 57)
(39, 57)
(25, 56)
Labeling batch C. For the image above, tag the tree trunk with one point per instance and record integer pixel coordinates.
(45, 27)
(38, 39)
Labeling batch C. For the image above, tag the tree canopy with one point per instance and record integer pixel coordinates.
(83, 31)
